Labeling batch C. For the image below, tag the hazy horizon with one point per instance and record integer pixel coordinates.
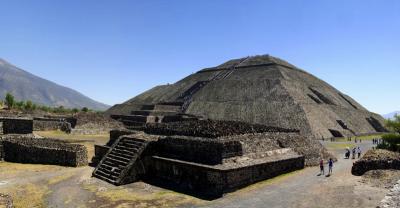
(112, 52)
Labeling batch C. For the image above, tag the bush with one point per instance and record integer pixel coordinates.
(10, 101)
(390, 142)
(394, 124)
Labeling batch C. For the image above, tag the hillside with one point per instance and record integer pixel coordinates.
(26, 86)
(391, 115)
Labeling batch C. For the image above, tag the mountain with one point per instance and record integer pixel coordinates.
(391, 115)
(26, 86)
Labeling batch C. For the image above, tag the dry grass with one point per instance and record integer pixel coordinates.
(334, 145)
(132, 198)
(28, 195)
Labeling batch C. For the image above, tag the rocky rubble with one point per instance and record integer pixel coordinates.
(392, 199)
(375, 160)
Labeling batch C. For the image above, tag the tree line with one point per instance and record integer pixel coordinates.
(28, 105)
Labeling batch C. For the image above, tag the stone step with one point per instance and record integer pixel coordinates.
(106, 174)
(133, 142)
(112, 155)
(109, 166)
(114, 173)
(124, 155)
(104, 178)
(160, 107)
(147, 107)
(125, 152)
(119, 162)
(126, 148)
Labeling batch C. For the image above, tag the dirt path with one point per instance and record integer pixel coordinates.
(306, 189)
(55, 186)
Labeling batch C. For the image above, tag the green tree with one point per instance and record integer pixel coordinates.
(75, 110)
(10, 100)
(28, 105)
(394, 124)
(85, 109)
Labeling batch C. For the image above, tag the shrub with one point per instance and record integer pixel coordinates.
(390, 142)
(10, 101)
(394, 124)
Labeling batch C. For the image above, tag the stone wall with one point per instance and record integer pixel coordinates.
(376, 160)
(44, 151)
(200, 150)
(208, 182)
(49, 124)
(115, 134)
(99, 152)
(1, 150)
(16, 125)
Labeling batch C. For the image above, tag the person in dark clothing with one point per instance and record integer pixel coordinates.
(330, 164)
(321, 167)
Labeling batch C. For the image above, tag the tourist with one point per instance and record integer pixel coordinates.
(321, 166)
(354, 153)
(359, 152)
(330, 164)
(347, 154)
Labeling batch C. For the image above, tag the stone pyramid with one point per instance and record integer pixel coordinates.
(259, 89)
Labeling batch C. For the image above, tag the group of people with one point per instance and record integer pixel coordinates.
(322, 168)
(376, 141)
(354, 151)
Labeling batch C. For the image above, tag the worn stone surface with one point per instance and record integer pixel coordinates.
(43, 151)
(375, 160)
(392, 199)
(209, 128)
(16, 125)
(264, 90)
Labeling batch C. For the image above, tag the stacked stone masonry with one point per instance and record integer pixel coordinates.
(204, 166)
(26, 149)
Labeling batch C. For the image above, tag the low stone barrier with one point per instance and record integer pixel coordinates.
(65, 124)
(376, 160)
(44, 151)
(210, 182)
(16, 126)
(200, 150)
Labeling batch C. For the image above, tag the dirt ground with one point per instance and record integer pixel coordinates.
(55, 186)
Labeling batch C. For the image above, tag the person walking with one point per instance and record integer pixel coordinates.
(321, 167)
(330, 164)
(359, 152)
(354, 153)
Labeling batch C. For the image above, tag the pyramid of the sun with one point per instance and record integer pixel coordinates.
(265, 90)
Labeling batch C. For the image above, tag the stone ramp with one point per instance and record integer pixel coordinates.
(120, 159)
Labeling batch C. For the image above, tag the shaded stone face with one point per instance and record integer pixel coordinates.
(264, 90)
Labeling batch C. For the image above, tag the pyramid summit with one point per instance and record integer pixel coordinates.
(256, 89)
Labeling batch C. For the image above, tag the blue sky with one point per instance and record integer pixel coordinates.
(113, 50)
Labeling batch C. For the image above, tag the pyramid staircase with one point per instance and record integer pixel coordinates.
(171, 111)
(349, 132)
(120, 159)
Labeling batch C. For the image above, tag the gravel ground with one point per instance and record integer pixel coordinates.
(392, 199)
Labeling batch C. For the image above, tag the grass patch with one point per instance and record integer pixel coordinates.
(60, 178)
(334, 145)
(130, 198)
(29, 195)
